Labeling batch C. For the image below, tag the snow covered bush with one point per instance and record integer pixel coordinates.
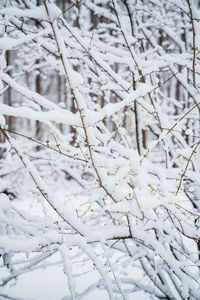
(100, 168)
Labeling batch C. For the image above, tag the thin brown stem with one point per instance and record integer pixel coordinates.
(46, 145)
(186, 167)
(80, 113)
(194, 43)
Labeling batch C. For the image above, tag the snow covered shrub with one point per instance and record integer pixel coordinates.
(99, 168)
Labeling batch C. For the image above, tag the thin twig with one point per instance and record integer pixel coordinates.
(46, 145)
(194, 43)
(186, 167)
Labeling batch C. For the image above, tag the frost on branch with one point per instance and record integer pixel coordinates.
(99, 149)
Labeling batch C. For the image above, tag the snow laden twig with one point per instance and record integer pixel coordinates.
(67, 217)
(5, 296)
(90, 253)
(119, 286)
(33, 96)
(82, 109)
(68, 269)
(28, 267)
